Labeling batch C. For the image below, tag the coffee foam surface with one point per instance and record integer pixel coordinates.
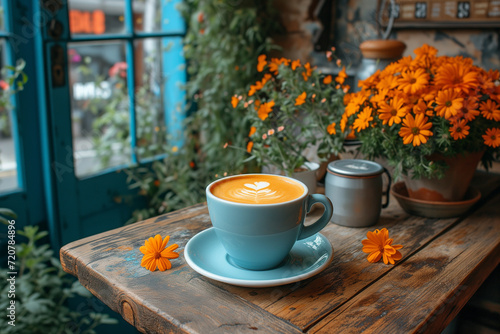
(257, 189)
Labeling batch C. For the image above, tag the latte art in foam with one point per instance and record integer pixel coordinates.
(257, 189)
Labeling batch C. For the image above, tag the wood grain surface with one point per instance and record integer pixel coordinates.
(444, 262)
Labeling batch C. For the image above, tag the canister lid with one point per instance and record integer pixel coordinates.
(355, 167)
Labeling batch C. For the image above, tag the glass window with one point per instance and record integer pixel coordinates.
(8, 152)
(100, 110)
(96, 17)
(157, 16)
(100, 88)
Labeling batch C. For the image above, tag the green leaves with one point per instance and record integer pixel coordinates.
(42, 290)
(6, 215)
(297, 127)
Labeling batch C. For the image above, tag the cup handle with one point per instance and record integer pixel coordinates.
(318, 225)
(386, 204)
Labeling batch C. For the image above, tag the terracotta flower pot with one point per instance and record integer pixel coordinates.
(377, 54)
(453, 186)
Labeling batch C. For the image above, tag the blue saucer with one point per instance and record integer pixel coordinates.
(207, 256)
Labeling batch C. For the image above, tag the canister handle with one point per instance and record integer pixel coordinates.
(387, 191)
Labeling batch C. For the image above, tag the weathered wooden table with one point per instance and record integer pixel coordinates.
(444, 262)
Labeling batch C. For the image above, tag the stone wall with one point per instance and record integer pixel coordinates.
(356, 22)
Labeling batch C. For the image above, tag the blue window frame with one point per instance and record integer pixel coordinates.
(51, 190)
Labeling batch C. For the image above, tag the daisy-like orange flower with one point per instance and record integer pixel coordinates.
(341, 76)
(301, 99)
(327, 80)
(413, 81)
(234, 101)
(265, 109)
(470, 109)
(261, 63)
(415, 130)
(459, 130)
(448, 103)
(393, 111)
(425, 51)
(295, 64)
(331, 129)
(490, 110)
(308, 71)
(492, 137)
(456, 76)
(379, 246)
(252, 131)
(363, 120)
(156, 255)
(249, 146)
(421, 107)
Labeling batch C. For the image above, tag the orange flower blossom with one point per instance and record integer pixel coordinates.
(379, 246)
(291, 107)
(156, 255)
(417, 107)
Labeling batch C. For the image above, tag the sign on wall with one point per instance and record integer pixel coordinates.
(447, 13)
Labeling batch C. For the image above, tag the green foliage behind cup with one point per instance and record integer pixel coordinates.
(221, 37)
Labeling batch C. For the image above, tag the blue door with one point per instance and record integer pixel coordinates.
(106, 87)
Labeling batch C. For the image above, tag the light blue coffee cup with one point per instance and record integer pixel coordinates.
(260, 236)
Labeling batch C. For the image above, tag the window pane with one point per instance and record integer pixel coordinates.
(8, 158)
(99, 106)
(2, 16)
(149, 98)
(160, 77)
(157, 15)
(96, 17)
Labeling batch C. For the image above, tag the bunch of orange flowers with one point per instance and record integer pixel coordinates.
(293, 108)
(425, 105)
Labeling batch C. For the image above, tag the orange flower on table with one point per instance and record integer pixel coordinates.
(156, 255)
(301, 99)
(492, 137)
(460, 129)
(415, 130)
(379, 246)
(393, 111)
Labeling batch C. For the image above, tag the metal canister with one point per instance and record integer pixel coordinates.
(355, 188)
